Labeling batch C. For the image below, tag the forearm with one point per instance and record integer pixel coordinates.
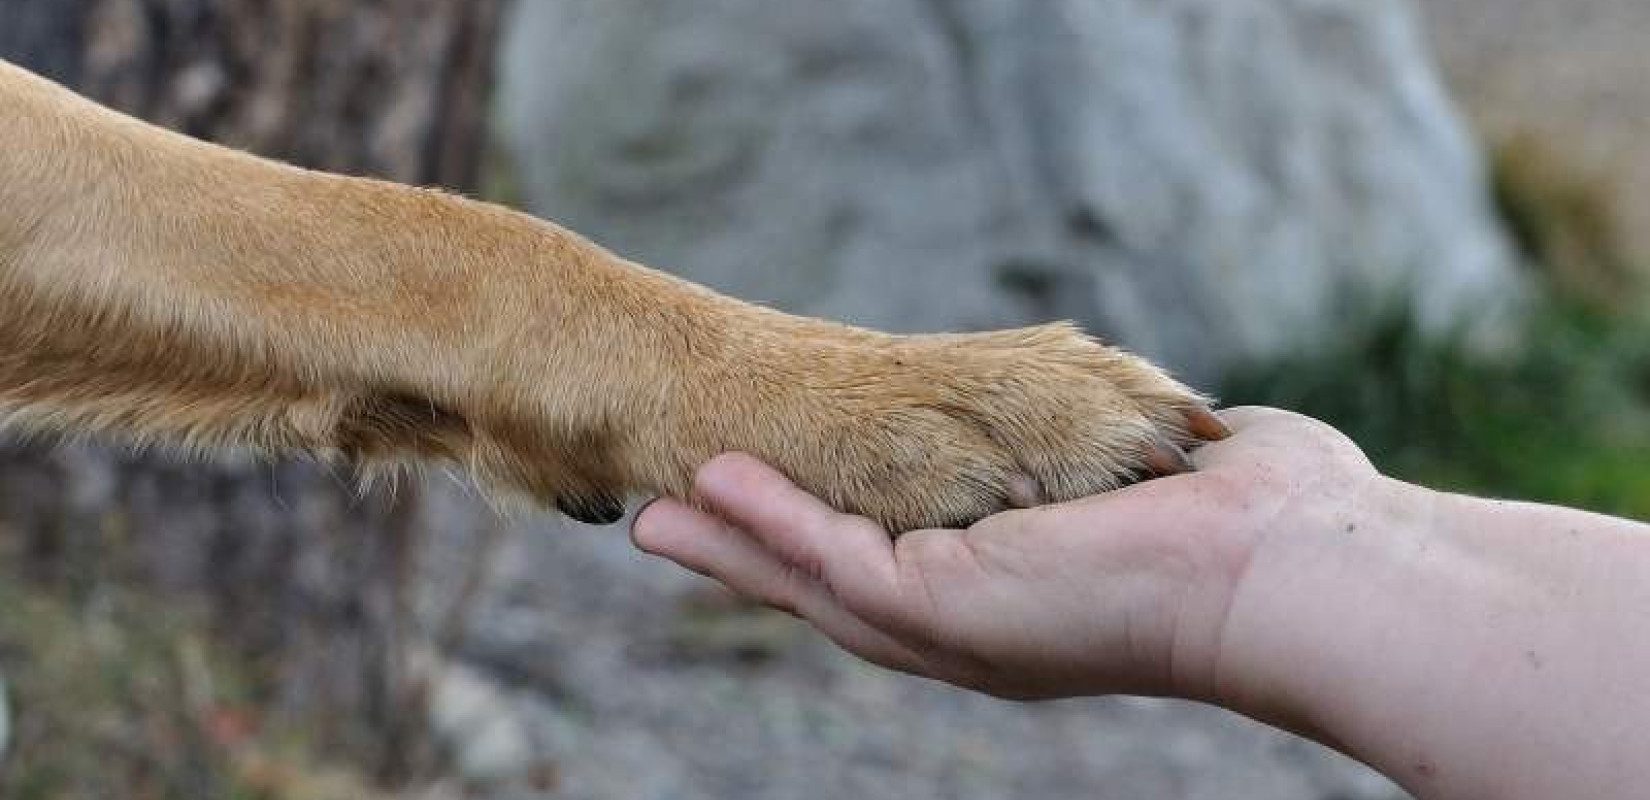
(1467, 648)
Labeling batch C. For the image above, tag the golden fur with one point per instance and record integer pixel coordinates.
(173, 291)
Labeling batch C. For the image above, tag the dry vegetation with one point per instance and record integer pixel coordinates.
(1566, 72)
(119, 693)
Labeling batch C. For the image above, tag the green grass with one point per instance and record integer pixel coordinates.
(1564, 419)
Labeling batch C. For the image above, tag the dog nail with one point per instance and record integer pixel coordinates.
(1203, 424)
(1167, 459)
(599, 509)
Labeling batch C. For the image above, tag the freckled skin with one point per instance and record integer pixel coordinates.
(171, 291)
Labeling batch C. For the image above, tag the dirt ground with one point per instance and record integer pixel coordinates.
(632, 679)
(1571, 72)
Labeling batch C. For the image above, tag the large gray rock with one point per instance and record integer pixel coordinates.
(1199, 179)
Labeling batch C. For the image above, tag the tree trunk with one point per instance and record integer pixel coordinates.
(296, 565)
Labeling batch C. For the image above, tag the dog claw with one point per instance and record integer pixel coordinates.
(1168, 459)
(599, 509)
(1203, 424)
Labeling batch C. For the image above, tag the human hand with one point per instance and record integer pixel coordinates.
(1126, 592)
(1451, 642)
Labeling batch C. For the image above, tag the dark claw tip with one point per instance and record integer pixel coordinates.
(1203, 424)
(597, 509)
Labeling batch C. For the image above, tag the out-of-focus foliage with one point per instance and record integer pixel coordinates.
(121, 694)
(1564, 218)
(1566, 419)
(1562, 417)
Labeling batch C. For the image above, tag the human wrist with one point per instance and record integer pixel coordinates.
(1306, 618)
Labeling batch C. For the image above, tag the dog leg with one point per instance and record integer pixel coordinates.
(172, 291)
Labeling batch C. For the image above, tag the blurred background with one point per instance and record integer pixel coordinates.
(1424, 224)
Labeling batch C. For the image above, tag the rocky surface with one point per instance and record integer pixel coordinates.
(594, 672)
(1202, 180)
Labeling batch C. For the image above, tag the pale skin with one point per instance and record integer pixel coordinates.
(1467, 648)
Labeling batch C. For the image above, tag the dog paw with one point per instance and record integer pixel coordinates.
(941, 431)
